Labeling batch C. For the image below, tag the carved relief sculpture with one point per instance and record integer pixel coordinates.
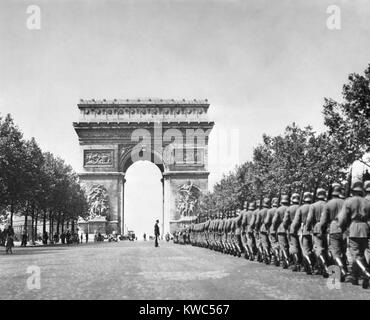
(188, 199)
(98, 158)
(98, 201)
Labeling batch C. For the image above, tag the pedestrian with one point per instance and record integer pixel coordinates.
(9, 240)
(82, 237)
(86, 237)
(156, 233)
(45, 238)
(24, 238)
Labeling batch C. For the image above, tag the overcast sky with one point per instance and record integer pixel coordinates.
(261, 64)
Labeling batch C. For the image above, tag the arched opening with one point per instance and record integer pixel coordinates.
(143, 198)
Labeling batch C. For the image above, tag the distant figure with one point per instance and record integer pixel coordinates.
(156, 233)
(24, 239)
(45, 238)
(144, 236)
(87, 237)
(82, 238)
(9, 240)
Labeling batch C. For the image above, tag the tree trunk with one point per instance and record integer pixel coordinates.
(44, 224)
(73, 226)
(32, 226)
(58, 223)
(11, 214)
(25, 221)
(62, 226)
(36, 226)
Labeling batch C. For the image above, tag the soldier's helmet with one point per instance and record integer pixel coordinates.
(295, 198)
(357, 185)
(266, 202)
(336, 189)
(284, 199)
(367, 186)
(275, 202)
(252, 206)
(321, 194)
(307, 197)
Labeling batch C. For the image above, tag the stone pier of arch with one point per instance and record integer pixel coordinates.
(111, 132)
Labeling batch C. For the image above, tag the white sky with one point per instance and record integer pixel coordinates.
(261, 64)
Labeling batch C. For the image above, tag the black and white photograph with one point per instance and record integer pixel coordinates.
(199, 152)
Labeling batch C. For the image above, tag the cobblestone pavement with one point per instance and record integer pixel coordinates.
(137, 270)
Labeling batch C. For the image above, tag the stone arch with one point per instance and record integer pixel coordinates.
(105, 130)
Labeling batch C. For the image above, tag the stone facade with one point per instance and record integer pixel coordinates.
(173, 134)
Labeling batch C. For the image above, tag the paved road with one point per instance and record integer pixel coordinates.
(128, 270)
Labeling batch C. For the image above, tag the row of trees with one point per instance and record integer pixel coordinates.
(36, 184)
(301, 159)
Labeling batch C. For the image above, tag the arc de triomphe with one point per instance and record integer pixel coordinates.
(173, 134)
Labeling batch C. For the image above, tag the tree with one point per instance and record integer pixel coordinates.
(12, 158)
(348, 122)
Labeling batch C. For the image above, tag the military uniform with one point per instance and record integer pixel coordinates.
(256, 230)
(268, 225)
(294, 243)
(248, 225)
(278, 226)
(367, 197)
(265, 241)
(355, 215)
(299, 225)
(238, 231)
(329, 224)
(319, 237)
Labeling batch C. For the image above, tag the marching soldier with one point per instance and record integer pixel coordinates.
(244, 239)
(367, 197)
(329, 224)
(278, 226)
(294, 245)
(299, 223)
(256, 231)
(355, 216)
(272, 233)
(237, 232)
(319, 238)
(265, 241)
(247, 223)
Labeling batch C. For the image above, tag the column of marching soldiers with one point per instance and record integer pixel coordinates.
(296, 233)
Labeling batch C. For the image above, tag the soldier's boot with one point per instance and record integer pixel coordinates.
(285, 259)
(308, 264)
(251, 254)
(364, 272)
(267, 256)
(296, 263)
(354, 275)
(276, 255)
(324, 266)
(342, 267)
